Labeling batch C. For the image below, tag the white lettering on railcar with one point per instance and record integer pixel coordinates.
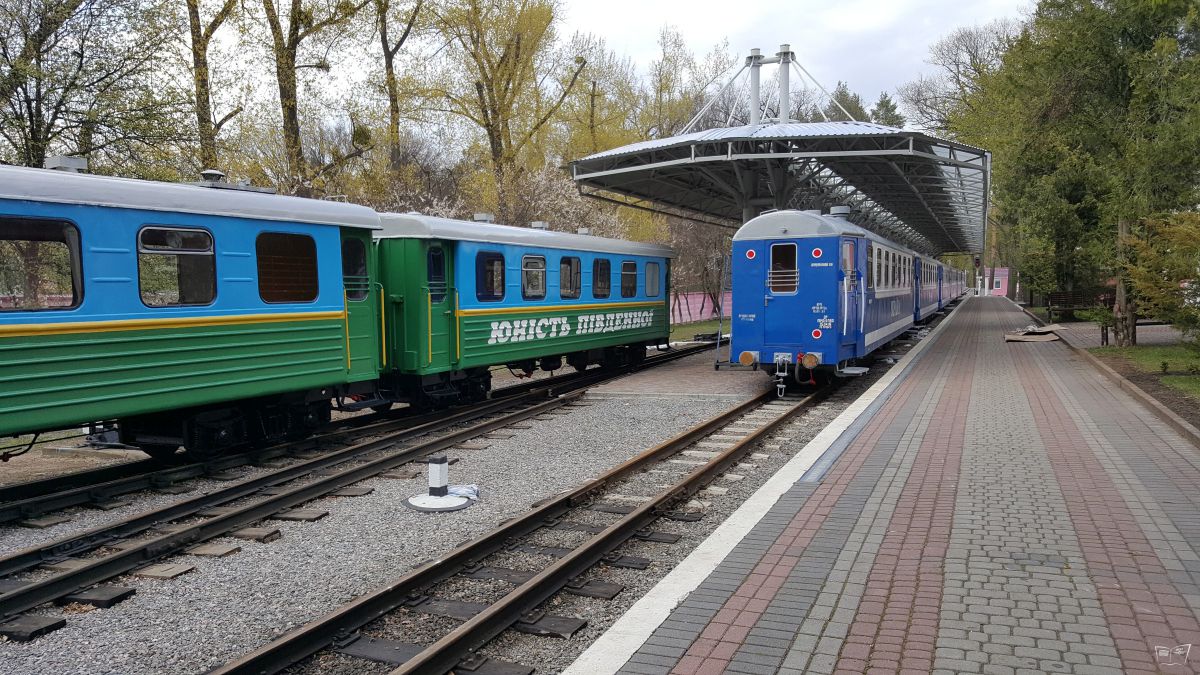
(525, 330)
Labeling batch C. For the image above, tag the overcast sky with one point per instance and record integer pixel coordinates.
(874, 45)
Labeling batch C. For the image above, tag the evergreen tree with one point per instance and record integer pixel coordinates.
(886, 112)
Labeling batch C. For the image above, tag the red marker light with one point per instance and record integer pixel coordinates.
(817, 253)
(816, 333)
(750, 254)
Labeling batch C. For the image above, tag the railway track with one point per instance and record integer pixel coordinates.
(104, 486)
(342, 631)
(243, 504)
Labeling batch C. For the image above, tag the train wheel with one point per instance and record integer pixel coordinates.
(162, 453)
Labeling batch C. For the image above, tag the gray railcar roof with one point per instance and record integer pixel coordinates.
(790, 223)
(415, 225)
(44, 185)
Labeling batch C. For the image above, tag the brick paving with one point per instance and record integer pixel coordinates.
(1004, 511)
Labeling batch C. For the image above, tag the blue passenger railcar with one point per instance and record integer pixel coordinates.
(812, 293)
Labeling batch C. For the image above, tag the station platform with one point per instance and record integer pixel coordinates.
(987, 507)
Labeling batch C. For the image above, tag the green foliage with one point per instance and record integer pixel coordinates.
(852, 102)
(1166, 275)
(886, 112)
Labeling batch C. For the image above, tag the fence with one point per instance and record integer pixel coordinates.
(696, 306)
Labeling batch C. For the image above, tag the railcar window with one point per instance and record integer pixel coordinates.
(570, 278)
(784, 276)
(489, 276)
(533, 277)
(354, 269)
(601, 278)
(870, 266)
(652, 286)
(435, 273)
(39, 265)
(628, 279)
(176, 267)
(287, 267)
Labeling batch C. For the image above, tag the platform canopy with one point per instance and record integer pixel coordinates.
(927, 193)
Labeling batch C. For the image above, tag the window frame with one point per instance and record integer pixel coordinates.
(624, 265)
(436, 298)
(482, 258)
(795, 288)
(656, 277)
(870, 265)
(139, 251)
(74, 244)
(525, 295)
(366, 293)
(607, 276)
(316, 267)
(576, 275)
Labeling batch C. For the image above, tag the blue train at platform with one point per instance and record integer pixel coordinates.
(813, 294)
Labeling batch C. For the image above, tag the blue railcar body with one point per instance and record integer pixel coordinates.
(817, 289)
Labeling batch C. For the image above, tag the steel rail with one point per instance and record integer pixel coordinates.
(128, 559)
(311, 638)
(96, 537)
(34, 498)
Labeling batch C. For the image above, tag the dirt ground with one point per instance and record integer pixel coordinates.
(1178, 402)
(38, 464)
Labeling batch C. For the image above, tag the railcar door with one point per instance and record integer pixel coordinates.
(441, 349)
(851, 291)
(783, 285)
(362, 305)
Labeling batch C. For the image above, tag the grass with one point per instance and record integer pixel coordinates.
(685, 331)
(1181, 362)
(1150, 358)
(1040, 312)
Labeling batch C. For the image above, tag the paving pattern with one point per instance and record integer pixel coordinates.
(1004, 511)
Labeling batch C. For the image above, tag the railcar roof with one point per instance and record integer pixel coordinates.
(61, 187)
(415, 225)
(790, 223)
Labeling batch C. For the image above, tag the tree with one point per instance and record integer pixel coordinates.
(961, 60)
(886, 113)
(30, 27)
(291, 30)
(207, 127)
(384, 10)
(98, 86)
(850, 101)
(504, 76)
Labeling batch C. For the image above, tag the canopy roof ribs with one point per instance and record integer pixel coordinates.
(927, 193)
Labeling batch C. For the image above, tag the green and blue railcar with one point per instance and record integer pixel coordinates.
(213, 318)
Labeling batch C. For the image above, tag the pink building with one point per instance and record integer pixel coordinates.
(1000, 284)
(686, 307)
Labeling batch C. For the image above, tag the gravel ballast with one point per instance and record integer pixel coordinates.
(227, 607)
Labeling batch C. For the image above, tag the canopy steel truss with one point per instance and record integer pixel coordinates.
(927, 193)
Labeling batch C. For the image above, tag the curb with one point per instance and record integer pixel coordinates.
(1177, 423)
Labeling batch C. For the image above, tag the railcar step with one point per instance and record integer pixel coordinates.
(98, 596)
(30, 626)
(534, 623)
(397, 653)
(363, 405)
